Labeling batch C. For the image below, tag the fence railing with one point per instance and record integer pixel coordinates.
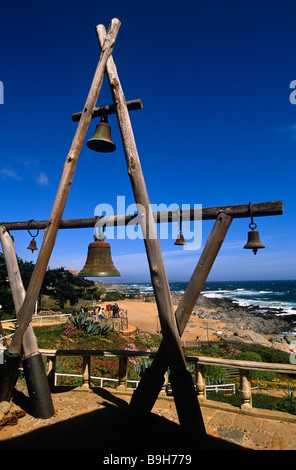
(244, 368)
(37, 318)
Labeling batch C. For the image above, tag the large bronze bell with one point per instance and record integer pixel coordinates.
(32, 246)
(101, 140)
(254, 242)
(180, 240)
(99, 262)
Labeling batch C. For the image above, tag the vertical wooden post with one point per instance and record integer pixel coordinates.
(150, 385)
(51, 369)
(37, 383)
(17, 288)
(26, 311)
(185, 397)
(122, 373)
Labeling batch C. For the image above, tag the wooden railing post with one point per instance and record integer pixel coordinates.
(165, 384)
(86, 372)
(245, 389)
(122, 373)
(50, 372)
(200, 381)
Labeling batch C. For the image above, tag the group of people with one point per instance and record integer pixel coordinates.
(99, 313)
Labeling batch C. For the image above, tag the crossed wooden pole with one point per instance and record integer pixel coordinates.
(170, 353)
(12, 357)
(190, 413)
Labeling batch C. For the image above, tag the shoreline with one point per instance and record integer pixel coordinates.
(212, 319)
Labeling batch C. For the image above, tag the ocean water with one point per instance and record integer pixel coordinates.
(278, 295)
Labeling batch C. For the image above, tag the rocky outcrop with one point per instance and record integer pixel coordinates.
(236, 317)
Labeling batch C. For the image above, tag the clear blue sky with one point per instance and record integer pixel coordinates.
(217, 126)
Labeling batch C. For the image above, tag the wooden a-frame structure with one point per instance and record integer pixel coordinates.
(170, 353)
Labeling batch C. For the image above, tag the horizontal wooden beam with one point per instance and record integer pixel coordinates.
(109, 109)
(260, 209)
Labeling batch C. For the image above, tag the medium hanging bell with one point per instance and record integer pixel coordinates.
(101, 140)
(32, 246)
(253, 242)
(99, 262)
(180, 240)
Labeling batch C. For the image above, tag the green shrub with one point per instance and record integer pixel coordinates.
(214, 375)
(112, 296)
(248, 356)
(287, 404)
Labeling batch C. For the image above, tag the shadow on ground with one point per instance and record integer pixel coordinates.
(108, 430)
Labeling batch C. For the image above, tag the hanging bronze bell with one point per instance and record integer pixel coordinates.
(180, 240)
(99, 262)
(254, 242)
(32, 245)
(101, 140)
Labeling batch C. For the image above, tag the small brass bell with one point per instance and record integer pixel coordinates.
(32, 245)
(180, 240)
(253, 242)
(101, 140)
(99, 262)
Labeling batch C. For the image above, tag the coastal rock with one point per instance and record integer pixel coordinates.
(235, 316)
(249, 336)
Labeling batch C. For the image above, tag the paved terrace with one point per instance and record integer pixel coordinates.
(94, 420)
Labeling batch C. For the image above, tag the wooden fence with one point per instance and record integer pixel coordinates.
(244, 368)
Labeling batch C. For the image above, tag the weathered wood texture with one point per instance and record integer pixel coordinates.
(259, 209)
(154, 255)
(150, 384)
(109, 109)
(189, 412)
(29, 342)
(26, 311)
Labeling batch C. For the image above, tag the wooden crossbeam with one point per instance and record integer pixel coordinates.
(259, 209)
(109, 109)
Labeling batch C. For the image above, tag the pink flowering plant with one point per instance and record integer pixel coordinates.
(71, 331)
(104, 368)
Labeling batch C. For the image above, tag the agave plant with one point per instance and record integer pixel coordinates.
(104, 329)
(80, 321)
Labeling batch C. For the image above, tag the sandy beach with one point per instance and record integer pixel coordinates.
(144, 316)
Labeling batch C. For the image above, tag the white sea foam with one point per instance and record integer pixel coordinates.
(284, 308)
